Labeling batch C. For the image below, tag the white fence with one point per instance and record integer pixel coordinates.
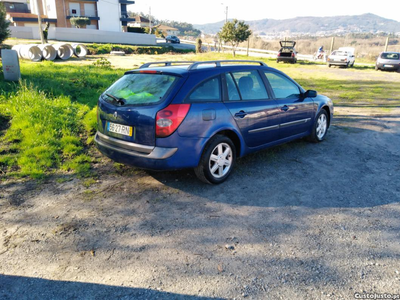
(252, 51)
(85, 35)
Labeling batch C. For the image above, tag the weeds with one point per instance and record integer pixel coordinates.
(44, 133)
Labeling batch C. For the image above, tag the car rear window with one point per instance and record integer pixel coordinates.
(390, 55)
(139, 89)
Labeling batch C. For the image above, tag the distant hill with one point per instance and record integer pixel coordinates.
(315, 25)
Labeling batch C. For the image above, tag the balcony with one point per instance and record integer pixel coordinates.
(90, 18)
(126, 2)
(91, 15)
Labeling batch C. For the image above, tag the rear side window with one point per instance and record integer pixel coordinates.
(251, 86)
(233, 93)
(140, 88)
(282, 86)
(209, 90)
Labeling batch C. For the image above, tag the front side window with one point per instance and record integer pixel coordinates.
(251, 86)
(282, 86)
(139, 89)
(209, 90)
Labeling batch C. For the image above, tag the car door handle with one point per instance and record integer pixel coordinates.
(240, 114)
(285, 108)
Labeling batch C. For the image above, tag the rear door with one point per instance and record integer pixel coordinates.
(296, 111)
(127, 110)
(253, 110)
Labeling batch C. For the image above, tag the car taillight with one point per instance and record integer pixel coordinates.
(169, 119)
(279, 54)
(292, 54)
(345, 59)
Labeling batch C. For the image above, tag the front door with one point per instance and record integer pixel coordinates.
(296, 111)
(255, 113)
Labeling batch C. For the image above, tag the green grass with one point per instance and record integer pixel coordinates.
(52, 118)
(48, 120)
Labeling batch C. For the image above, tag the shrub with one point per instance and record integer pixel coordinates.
(107, 48)
(79, 21)
(102, 63)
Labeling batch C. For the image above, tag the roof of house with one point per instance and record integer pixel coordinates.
(165, 27)
(141, 19)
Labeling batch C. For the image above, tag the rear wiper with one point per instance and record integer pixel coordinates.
(121, 101)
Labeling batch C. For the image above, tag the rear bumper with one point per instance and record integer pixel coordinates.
(388, 66)
(131, 153)
(151, 157)
(338, 63)
(286, 58)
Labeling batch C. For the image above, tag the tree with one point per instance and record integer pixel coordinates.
(4, 31)
(235, 32)
(79, 21)
(198, 45)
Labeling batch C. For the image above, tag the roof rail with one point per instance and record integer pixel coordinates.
(166, 63)
(218, 63)
(195, 64)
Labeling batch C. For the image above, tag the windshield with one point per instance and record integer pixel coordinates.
(139, 89)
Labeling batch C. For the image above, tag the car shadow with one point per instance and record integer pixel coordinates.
(21, 287)
(346, 170)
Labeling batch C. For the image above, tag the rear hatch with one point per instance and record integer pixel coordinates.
(127, 110)
(390, 58)
(338, 55)
(287, 43)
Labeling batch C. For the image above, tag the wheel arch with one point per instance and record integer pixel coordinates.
(233, 136)
(328, 111)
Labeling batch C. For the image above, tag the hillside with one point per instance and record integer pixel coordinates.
(315, 25)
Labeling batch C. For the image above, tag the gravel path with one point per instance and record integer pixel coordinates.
(299, 221)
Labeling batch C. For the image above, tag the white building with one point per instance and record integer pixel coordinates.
(107, 15)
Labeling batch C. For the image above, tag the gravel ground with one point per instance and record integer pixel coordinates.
(299, 221)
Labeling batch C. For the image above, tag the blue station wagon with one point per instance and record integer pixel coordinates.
(204, 115)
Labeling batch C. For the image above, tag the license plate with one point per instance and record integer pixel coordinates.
(118, 128)
(388, 66)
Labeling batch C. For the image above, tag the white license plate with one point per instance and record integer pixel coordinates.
(118, 128)
(387, 66)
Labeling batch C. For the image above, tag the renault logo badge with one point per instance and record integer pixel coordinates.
(115, 115)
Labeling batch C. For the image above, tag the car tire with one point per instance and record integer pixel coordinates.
(376, 68)
(217, 161)
(320, 127)
(277, 61)
(329, 65)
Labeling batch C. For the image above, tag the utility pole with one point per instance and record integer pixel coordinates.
(39, 21)
(226, 13)
(387, 43)
(332, 43)
(150, 20)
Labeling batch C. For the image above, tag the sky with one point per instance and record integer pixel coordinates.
(210, 11)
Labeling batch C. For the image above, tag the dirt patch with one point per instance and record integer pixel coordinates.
(301, 220)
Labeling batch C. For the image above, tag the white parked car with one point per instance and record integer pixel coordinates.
(344, 56)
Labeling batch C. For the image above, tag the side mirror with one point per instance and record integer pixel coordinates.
(310, 94)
